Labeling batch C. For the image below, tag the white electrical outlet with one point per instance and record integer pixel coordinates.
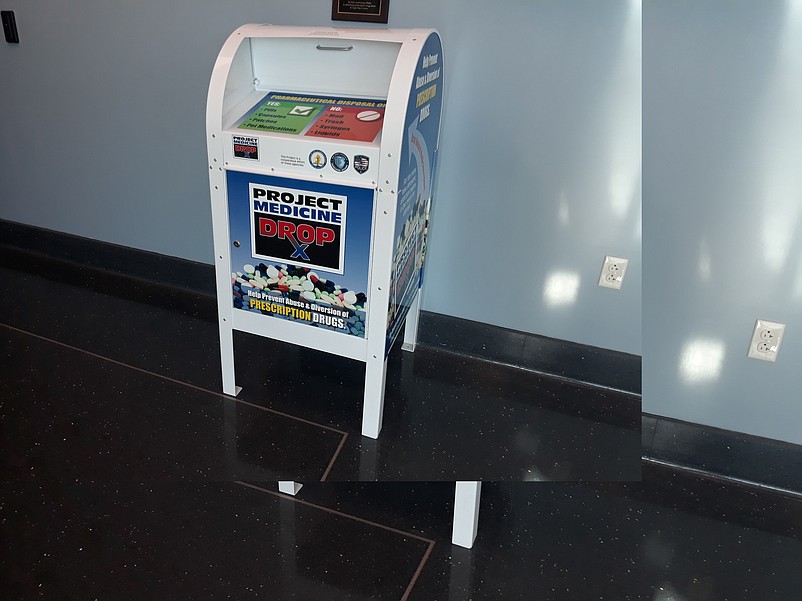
(766, 339)
(612, 274)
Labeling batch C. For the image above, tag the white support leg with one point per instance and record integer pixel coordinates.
(466, 513)
(373, 402)
(227, 359)
(289, 488)
(411, 327)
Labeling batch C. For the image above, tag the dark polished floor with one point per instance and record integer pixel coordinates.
(101, 378)
(667, 538)
(126, 474)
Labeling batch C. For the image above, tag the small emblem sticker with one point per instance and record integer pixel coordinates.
(361, 163)
(317, 159)
(339, 162)
(246, 147)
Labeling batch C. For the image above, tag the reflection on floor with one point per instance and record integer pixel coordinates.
(105, 377)
(668, 538)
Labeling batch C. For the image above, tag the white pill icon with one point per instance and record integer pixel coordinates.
(369, 116)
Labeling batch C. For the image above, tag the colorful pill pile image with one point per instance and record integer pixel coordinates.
(299, 294)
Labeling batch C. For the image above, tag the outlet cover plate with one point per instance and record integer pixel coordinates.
(766, 339)
(613, 271)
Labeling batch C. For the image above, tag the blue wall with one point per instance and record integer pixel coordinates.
(540, 170)
(722, 156)
(103, 136)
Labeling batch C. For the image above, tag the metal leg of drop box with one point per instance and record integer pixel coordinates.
(373, 405)
(227, 360)
(289, 488)
(466, 513)
(411, 327)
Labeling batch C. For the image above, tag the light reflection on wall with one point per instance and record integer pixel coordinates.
(561, 289)
(779, 143)
(777, 230)
(701, 360)
(704, 260)
(624, 119)
(565, 210)
(623, 189)
(797, 290)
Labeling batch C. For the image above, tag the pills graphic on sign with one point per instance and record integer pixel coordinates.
(299, 294)
(369, 116)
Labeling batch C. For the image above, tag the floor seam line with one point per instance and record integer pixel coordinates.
(172, 380)
(415, 575)
(333, 511)
(334, 458)
(418, 572)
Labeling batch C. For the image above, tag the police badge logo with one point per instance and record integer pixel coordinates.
(361, 163)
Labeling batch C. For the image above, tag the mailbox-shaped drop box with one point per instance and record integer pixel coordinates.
(322, 147)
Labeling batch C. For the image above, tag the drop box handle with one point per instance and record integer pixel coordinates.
(339, 48)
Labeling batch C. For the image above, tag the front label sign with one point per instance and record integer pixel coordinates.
(299, 227)
(302, 263)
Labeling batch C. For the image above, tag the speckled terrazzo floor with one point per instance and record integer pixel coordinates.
(89, 372)
(120, 458)
(655, 541)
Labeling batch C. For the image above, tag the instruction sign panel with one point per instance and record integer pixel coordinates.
(353, 119)
(300, 250)
(348, 123)
(281, 117)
